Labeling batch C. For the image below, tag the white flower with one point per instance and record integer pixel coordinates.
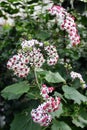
(31, 56)
(41, 115)
(75, 75)
(18, 64)
(66, 22)
(52, 55)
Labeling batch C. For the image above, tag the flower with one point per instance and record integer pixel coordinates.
(75, 75)
(45, 91)
(41, 114)
(66, 22)
(30, 55)
(51, 105)
(18, 64)
(52, 55)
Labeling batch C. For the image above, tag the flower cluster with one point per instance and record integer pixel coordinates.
(66, 22)
(75, 75)
(31, 55)
(45, 91)
(33, 52)
(41, 115)
(18, 64)
(52, 55)
(51, 105)
(31, 43)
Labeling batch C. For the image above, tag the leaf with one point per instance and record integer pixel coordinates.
(15, 91)
(54, 77)
(33, 93)
(72, 93)
(43, 35)
(81, 120)
(59, 95)
(60, 125)
(41, 71)
(23, 120)
(76, 83)
(58, 112)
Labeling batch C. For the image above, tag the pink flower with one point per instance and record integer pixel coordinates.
(31, 56)
(41, 115)
(52, 55)
(18, 64)
(66, 22)
(45, 91)
(75, 75)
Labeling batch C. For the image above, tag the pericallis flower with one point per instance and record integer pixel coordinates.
(31, 55)
(66, 22)
(75, 75)
(42, 114)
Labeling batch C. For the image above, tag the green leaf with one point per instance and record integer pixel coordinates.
(81, 120)
(34, 93)
(59, 95)
(43, 35)
(58, 112)
(41, 71)
(15, 91)
(54, 77)
(76, 84)
(72, 93)
(60, 125)
(23, 120)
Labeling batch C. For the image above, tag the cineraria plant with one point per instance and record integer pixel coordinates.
(30, 56)
(53, 93)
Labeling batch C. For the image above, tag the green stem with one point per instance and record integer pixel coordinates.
(26, 8)
(36, 78)
(44, 128)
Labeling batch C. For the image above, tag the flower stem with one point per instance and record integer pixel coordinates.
(44, 128)
(36, 78)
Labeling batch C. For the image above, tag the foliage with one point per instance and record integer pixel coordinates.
(54, 77)
(71, 93)
(31, 20)
(24, 121)
(60, 125)
(15, 91)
